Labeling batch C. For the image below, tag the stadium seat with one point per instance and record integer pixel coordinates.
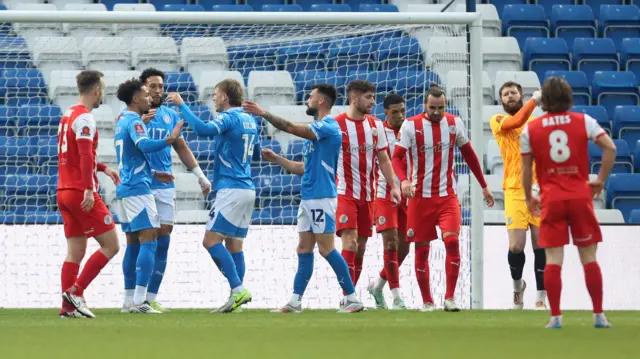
(493, 216)
(592, 54)
(609, 216)
(207, 81)
(282, 8)
(626, 124)
(597, 4)
(384, 81)
(446, 54)
(579, 84)
(158, 52)
(615, 88)
(114, 4)
(203, 112)
(28, 193)
(404, 53)
(490, 21)
(15, 53)
(15, 153)
(597, 112)
(199, 54)
(79, 30)
(183, 83)
(232, 8)
(306, 79)
(7, 121)
(113, 79)
(55, 53)
(39, 120)
(544, 54)
(203, 149)
(291, 113)
(569, 22)
(618, 22)
(295, 150)
(63, 89)
(129, 31)
(527, 79)
(412, 85)
(623, 162)
(548, 4)
(494, 182)
(377, 8)
(106, 53)
(265, 170)
(623, 193)
(160, 4)
(302, 56)
(105, 120)
(188, 191)
(32, 29)
(635, 216)
(457, 86)
(182, 6)
(180, 31)
(270, 88)
(494, 162)
(501, 54)
(523, 21)
(23, 87)
(12, 4)
(273, 145)
(330, 8)
(247, 58)
(630, 56)
(355, 54)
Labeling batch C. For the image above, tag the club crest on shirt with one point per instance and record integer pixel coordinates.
(139, 129)
(374, 132)
(108, 220)
(344, 219)
(167, 119)
(86, 131)
(499, 118)
(410, 233)
(382, 220)
(452, 129)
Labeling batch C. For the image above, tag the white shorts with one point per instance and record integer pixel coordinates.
(317, 215)
(231, 212)
(136, 213)
(166, 204)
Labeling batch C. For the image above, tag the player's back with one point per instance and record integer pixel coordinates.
(159, 128)
(135, 174)
(76, 124)
(321, 160)
(509, 143)
(234, 149)
(559, 144)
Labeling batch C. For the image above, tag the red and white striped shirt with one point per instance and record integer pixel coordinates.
(431, 148)
(361, 141)
(392, 136)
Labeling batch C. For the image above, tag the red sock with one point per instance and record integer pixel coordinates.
(391, 268)
(358, 268)
(383, 272)
(553, 285)
(94, 265)
(593, 277)
(350, 257)
(422, 272)
(68, 276)
(452, 265)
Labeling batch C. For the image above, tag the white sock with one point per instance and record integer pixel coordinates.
(379, 284)
(517, 285)
(396, 293)
(352, 297)
(295, 299)
(140, 295)
(237, 289)
(151, 297)
(542, 295)
(128, 296)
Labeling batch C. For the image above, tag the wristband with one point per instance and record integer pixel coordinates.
(198, 172)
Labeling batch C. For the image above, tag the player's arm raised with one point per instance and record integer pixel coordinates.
(296, 129)
(527, 173)
(470, 157)
(522, 116)
(291, 166)
(201, 128)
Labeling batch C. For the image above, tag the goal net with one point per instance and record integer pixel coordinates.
(277, 64)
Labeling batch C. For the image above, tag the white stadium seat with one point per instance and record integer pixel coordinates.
(491, 24)
(105, 121)
(199, 54)
(106, 152)
(32, 29)
(493, 216)
(80, 30)
(493, 181)
(107, 187)
(158, 52)
(501, 54)
(207, 81)
(60, 4)
(63, 89)
(457, 88)
(446, 54)
(54, 53)
(494, 162)
(106, 53)
(271, 88)
(113, 79)
(14, 4)
(487, 113)
(188, 193)
(291, 113)
(609, 216)
(131, 30)
(527, 79)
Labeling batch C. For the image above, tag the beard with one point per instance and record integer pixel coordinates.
(363, 110)
(156, 103)
(512, 107)
(435, 118)
(312, 111)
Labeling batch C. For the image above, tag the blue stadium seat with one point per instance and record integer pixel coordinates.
(579, 83)
(412, 85)
(247, 58)
(203, 112)
(180, 31)
(592, 54)
(160, 4)
(306, 4)
(15, 151)
(636, 158)
(623, 193)
(265, 170)
(618, 22)
(295, 150)
(377, 8)
(181, 7)
(402, 53)
(44, 155)
(258, 4)
(599, 113)
(302, 56)
(209, 3)
(231, 8)
(347, 55)
(626, 124)
(183, 83)
(39, 120)
(261, 216)
(622, 164)
(278, 186)
(330, 8)
(542, 54)
(5, 27)
(500, 4)
(385, 82)
(284, 216)
(355, 4)
(28, 193)
(30, 217)
(306, 79)
(630, 56)
(572, 21)
(548, 4)
(523, 21)
(615, 88)
(23, 87)
(14, 53)
(7, 121)
(596, 4)
(273, 145)
(282, 8)
(634, 217)
(203, 150)
(109, 3)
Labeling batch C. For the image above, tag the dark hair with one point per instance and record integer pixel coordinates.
(128, 89)
(433, 91)
(233, 90)
(328, 91)
(557, 95)
(392, 99)
(87, 80)
(360, 86)
(510, 84)
(150, 72)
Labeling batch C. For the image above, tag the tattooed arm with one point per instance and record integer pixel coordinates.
(296, 129)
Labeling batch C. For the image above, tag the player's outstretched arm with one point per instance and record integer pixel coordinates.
(296, 129)
(198, 126)
(291, 166)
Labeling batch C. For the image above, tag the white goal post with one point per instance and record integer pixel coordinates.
(296, 26)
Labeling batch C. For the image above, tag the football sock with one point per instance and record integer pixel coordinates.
(539, 261)
(68, 277)
(593, 277)
(382, 280)
(516, 265)
(238, 259)
(339, 266)
(158, 267)
(553, 283)
(422, 272)
(358, 268)
(222, 258)
(452, 265)
(129, 265)
(144, 268)
(303, 275)
(350, 258)
(94, 265)
(391, 268)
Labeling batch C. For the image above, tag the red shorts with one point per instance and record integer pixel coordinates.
(78, 222)
(390, 215)
(424, 214)
(577, 214)
(354, 213)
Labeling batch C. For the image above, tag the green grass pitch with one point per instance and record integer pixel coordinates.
(188, 334)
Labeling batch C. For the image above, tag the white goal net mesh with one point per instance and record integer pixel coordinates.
(277, 64)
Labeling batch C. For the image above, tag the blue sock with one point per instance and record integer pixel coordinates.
(238, 258)
(160, 264)
(224, 261)
(129, 265)
(303, 275)
(341, 269)
(144, 264)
